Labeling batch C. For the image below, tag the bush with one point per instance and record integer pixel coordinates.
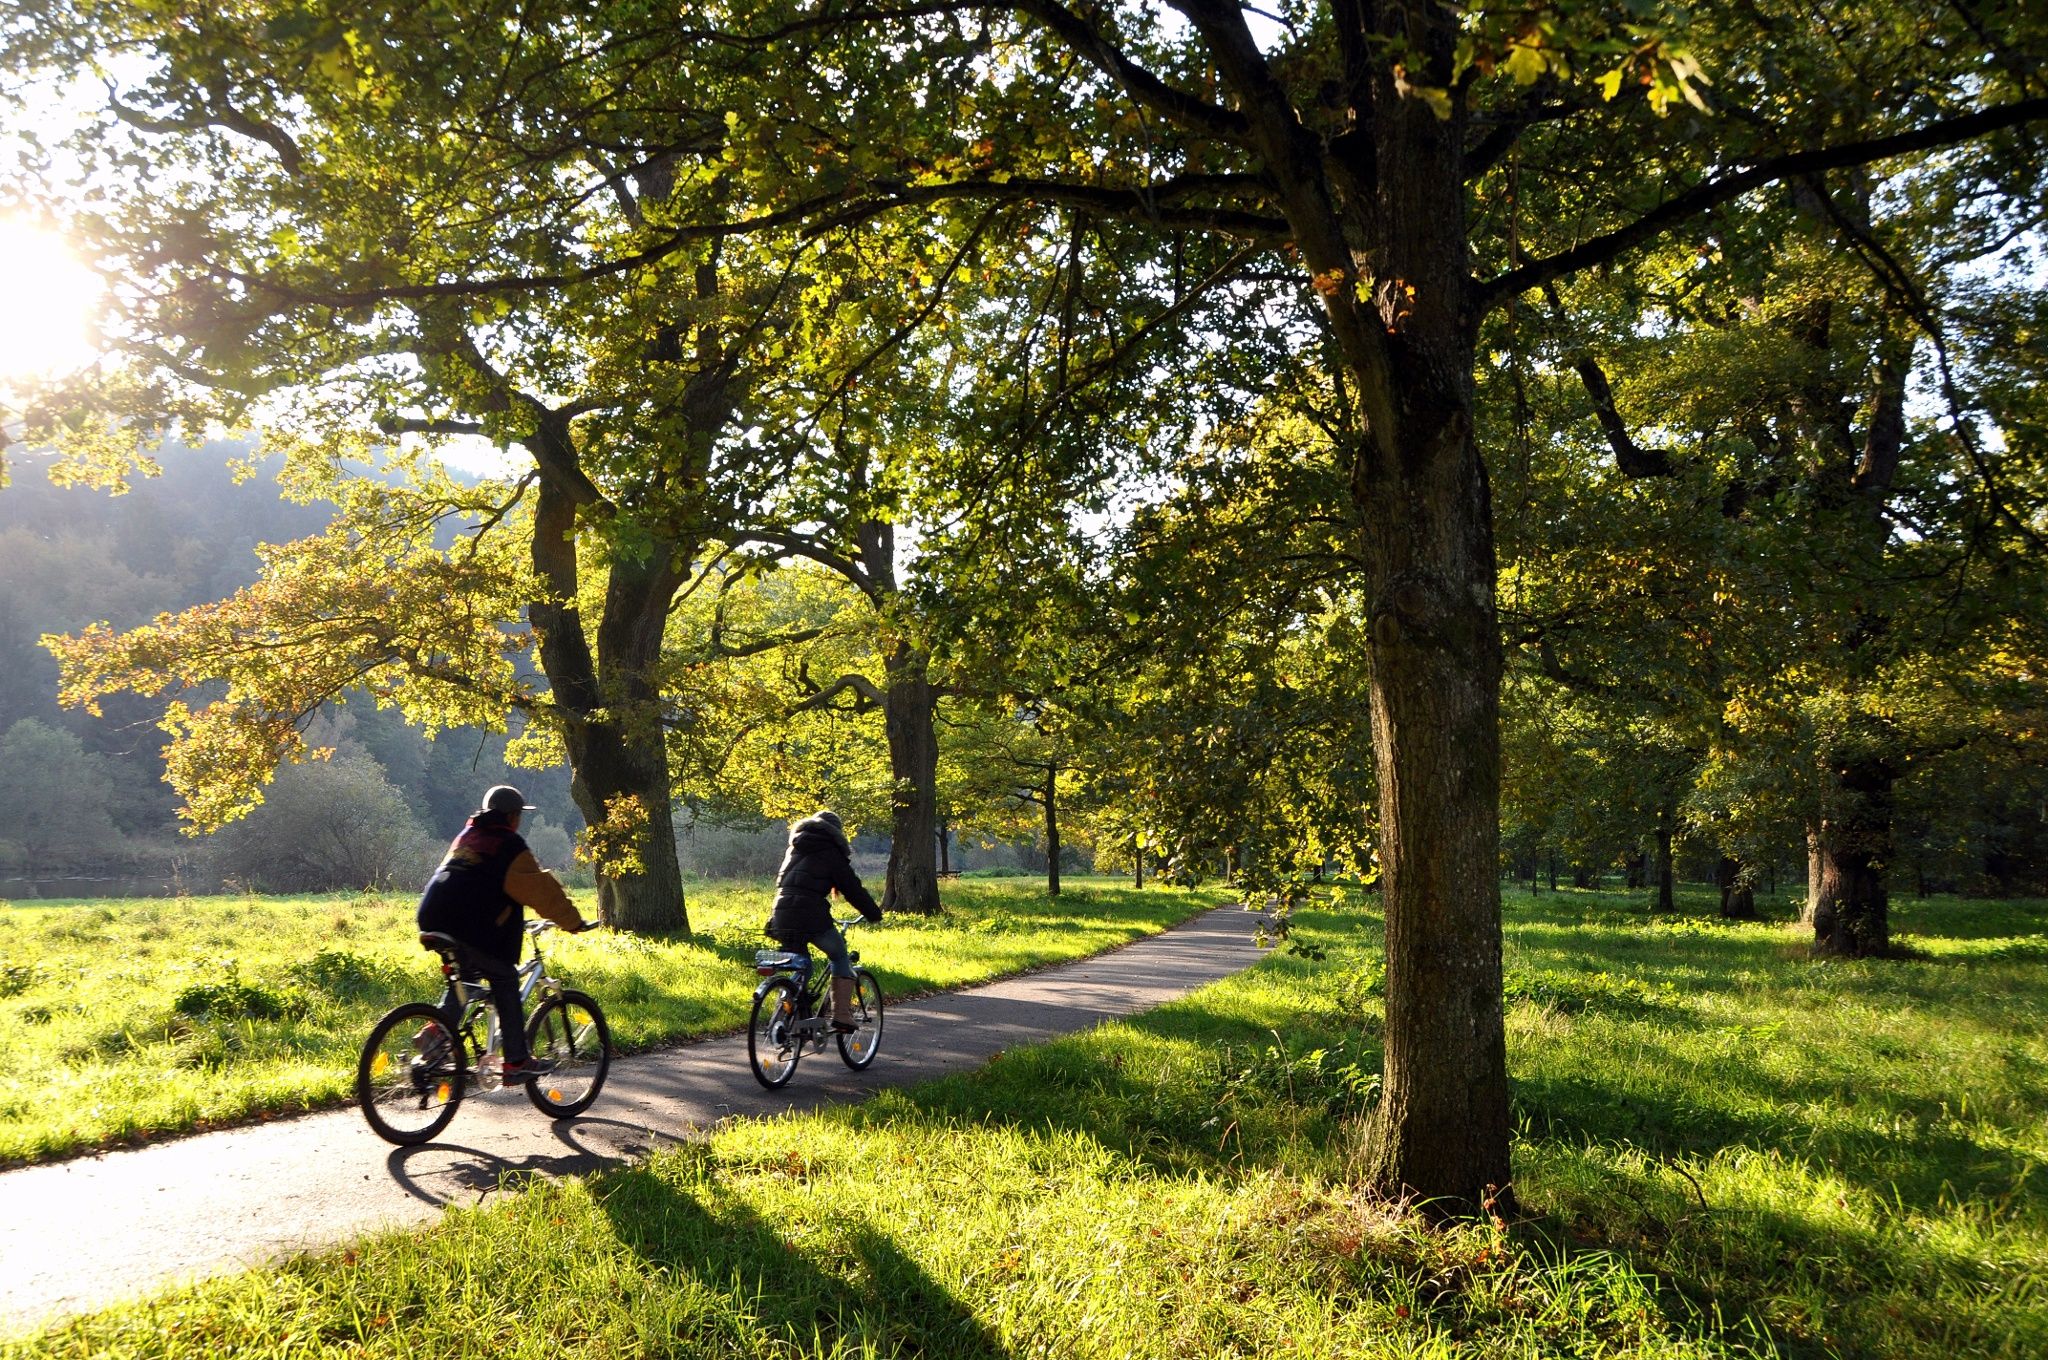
(326, 825)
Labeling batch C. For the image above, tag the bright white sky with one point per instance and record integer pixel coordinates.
(47, 299)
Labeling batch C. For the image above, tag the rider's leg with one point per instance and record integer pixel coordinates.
(832, 945)
(504, 980)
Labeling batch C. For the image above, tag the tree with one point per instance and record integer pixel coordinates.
(325, 825)
(53, 799)
(1379, 153)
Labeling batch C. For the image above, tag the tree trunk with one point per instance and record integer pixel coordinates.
(1666, 897)
(1852, 913)
(1635, 870)
(1440, 1131)
(1377, 217)
(907, 709)
(1813, 875)
(1138, 864)
(1738, 895)
(1553, 871)
(609, 705)
(945, 847)
(1051, 804)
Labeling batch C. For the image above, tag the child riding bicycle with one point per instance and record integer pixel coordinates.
(479, 895)
(817, 861)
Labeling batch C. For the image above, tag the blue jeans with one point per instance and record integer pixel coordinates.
(832, 945)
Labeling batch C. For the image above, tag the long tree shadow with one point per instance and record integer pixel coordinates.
(856, 1290)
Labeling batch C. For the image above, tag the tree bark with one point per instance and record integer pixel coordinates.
(1738, 895)
(907, 720)
(1138, 865)
(1852, 910)
(1813, 874)
(609, 705)
(945, 847)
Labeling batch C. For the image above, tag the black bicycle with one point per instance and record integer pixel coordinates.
(792, 1015)
(416, 1065)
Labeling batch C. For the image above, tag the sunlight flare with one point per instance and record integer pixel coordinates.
(47, 296)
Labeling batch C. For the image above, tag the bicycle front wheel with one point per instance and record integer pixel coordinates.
(411, 1074)
(773, 1045)
(568, 1031)
(857, 1050)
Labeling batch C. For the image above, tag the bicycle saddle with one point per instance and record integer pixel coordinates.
(438, 942)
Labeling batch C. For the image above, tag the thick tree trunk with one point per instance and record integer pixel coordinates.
(1852, 911)
(1738, 896)
(907, 720)
(1051, 804)
(609, 705)
(1440, 1131)
(1376, 214)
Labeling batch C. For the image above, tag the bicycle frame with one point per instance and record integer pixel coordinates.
(462, 994)
(803, 968)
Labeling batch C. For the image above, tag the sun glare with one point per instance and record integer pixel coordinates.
(46, 301)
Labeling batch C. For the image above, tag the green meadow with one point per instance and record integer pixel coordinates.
(1724, 1149)
(121, 1021)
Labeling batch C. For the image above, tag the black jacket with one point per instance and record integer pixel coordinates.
(466, 896)
(817, 861)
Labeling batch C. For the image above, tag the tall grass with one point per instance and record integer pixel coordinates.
(121, 1021)
(1726, 1150)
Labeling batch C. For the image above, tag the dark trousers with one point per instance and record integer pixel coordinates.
(504, 979)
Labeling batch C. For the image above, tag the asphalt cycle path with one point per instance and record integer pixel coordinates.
(80, 1235)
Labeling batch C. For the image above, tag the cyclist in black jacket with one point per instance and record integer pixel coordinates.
(817, 861)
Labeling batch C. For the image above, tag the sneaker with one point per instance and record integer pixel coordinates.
(512, 1073)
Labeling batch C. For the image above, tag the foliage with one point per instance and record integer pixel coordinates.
(54, 799)
(326, 825)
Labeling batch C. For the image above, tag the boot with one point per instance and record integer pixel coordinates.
(842, 1006)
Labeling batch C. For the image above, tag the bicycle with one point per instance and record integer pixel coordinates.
(415, 1067)
(787, 1020)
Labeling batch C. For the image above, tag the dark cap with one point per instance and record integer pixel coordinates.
(505, 800)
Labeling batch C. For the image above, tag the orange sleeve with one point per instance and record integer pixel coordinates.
(532, 886)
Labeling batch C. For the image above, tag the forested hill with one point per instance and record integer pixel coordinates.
(84, 798)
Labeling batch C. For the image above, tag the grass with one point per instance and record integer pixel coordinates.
(1725, 1150)
(123, 1021)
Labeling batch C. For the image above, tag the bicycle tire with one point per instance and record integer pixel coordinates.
(569, 1030)
(773, 1046)
(407, 1087)
(857, 1050)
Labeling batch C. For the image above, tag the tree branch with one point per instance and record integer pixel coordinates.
(1491, 293)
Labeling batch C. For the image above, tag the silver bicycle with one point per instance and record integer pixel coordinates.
(421, 1059)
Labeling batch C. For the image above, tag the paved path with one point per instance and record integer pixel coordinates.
(76, 1236)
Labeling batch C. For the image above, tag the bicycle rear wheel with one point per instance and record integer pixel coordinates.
(411, 1073)
(773, 1045)
(857, 1050)
(568, 1030)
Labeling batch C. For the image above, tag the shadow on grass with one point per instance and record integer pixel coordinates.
(858, 1290)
